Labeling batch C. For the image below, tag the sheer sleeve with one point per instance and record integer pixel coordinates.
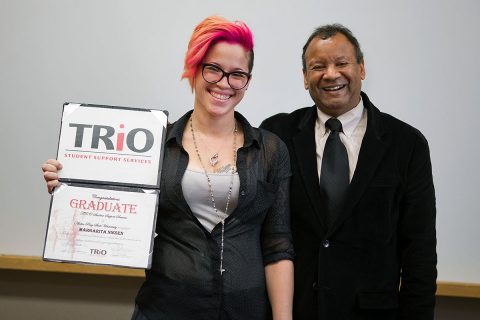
(276, 236)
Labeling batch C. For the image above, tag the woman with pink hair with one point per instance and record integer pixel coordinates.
(223, 248)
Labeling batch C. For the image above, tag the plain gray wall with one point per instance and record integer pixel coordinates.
(421, 60)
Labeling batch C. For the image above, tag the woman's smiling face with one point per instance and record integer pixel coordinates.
(218, 99)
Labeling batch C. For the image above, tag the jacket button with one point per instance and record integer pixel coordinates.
(326, 243)
(242, 192)
(314, 285)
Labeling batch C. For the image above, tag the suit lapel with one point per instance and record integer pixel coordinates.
(306, 158)
(374, 145)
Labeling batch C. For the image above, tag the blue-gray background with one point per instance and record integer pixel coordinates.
(422, 62)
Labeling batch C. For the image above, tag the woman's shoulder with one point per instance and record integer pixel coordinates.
(272, 145)
(269, 137)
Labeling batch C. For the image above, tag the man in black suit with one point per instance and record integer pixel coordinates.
(365, 243)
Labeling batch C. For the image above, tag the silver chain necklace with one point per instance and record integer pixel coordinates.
(210, 188)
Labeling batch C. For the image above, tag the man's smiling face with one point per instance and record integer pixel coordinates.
(333, 76)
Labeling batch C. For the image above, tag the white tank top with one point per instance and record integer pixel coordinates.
(196, 193)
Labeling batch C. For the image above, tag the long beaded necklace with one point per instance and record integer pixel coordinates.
(210, 188)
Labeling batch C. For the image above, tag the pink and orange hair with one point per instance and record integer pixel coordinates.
(209, 32)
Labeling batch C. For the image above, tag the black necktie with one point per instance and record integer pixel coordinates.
(334, 177)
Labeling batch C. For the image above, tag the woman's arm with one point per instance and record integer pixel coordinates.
(279, 277)
(277, 245)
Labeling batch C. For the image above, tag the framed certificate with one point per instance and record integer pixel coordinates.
(111, 145)
(107, 225)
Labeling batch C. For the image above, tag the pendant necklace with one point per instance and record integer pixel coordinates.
(213, 161)
(215, 158)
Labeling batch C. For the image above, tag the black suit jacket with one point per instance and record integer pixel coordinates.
(378, 261)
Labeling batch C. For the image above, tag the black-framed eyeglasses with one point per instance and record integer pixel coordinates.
(237, 80)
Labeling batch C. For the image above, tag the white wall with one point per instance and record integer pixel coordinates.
(421, 59)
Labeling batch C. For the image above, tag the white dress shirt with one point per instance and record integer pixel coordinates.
(354, 124)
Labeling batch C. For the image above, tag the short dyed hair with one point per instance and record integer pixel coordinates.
(328, 31)
(210, 31)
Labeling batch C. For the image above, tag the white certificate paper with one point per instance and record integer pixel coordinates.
(111, 145)
(101, 226)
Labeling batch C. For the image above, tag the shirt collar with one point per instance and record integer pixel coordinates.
(349, 119)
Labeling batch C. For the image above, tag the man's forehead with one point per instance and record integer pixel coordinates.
(336, 47)
(333, 57)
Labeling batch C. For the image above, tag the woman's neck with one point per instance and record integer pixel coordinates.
(213, 126)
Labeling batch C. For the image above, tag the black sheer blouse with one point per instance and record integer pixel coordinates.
(184, 281)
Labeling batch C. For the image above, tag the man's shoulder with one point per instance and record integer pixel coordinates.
(397, 128)
(396, 123)
(292, 116)
(285, 121)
